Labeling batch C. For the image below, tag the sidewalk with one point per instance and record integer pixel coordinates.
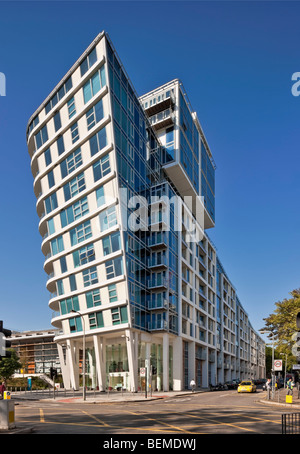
(280, 399)
(101, 397)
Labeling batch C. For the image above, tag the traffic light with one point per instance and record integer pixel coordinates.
(53, 372)
(4, 343)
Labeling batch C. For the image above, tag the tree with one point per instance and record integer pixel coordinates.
(282, 324)
(8, 366)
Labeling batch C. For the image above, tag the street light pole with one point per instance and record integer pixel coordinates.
(83, 346)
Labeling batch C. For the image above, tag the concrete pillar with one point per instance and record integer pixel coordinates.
(131, 341)
(73, 360)
(100, 357)
(64, 367)
(177, 364)
(166, 362)
(192, 361)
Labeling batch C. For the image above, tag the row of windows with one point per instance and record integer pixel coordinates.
(113, 269)
(92, 298)
(93, 116)
(110, 243)
(118, 315)
(101, 168)
(87, 63)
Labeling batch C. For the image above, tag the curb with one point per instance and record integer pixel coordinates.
(21, 430)
(281, 404)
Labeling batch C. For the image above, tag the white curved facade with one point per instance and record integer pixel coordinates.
(86, 142)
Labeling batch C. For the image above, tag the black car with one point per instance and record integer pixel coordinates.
(233, 384)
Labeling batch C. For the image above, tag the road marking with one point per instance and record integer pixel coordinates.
(42, 417)
(216, 422)
(158, 421)
(96, 419)
(101, 426)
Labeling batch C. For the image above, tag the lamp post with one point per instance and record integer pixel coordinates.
(83, 346)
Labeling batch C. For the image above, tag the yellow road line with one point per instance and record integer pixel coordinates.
(42, 417)
(216, 422)
(159, 422)
(96, 419)
(101, 426)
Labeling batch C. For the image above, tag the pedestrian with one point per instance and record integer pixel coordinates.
(2, 389)
(268, 384)
(193, 385)
(290, 385)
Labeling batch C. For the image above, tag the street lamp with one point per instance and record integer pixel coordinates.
(83, 346)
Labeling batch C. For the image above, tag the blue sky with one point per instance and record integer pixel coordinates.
(235, 60)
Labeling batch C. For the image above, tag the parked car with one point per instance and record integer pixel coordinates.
(247, 386)
(233, 384)
(218, 387)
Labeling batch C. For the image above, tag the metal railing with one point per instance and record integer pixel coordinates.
(290, 423)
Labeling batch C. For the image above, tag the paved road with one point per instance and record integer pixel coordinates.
(207, 413)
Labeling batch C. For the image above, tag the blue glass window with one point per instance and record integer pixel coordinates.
(94, 115)
(93, 298)
(98, 141)
(101, 168)
(63, 264)
(41, 137)
(111, 243)
(75, 324)
(72, 162)
(84, 255)
(72, 281)
(96, 320)
(57, 121)
(74, 187)
(60, 145)
(57, 245)
(71, 107)
(114, 267)
(50, 203)
(48, 159)
(94, 84)
(108, 218)
(90, 276)
(74, 132)
(69, 304)
(88, 62)
(100, 196)
(81, 233)
(51, 179)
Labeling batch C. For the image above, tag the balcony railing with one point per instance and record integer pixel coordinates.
(162, 119)
(155, 282)
(158, 325)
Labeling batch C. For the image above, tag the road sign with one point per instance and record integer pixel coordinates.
(142, 371)
(296, 366)
(278, 364)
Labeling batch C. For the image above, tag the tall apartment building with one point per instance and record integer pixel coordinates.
(125, 193)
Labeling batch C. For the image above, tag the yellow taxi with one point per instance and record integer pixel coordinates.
(247, 386)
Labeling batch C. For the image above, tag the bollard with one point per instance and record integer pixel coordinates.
(7, 414)
(6, 395)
